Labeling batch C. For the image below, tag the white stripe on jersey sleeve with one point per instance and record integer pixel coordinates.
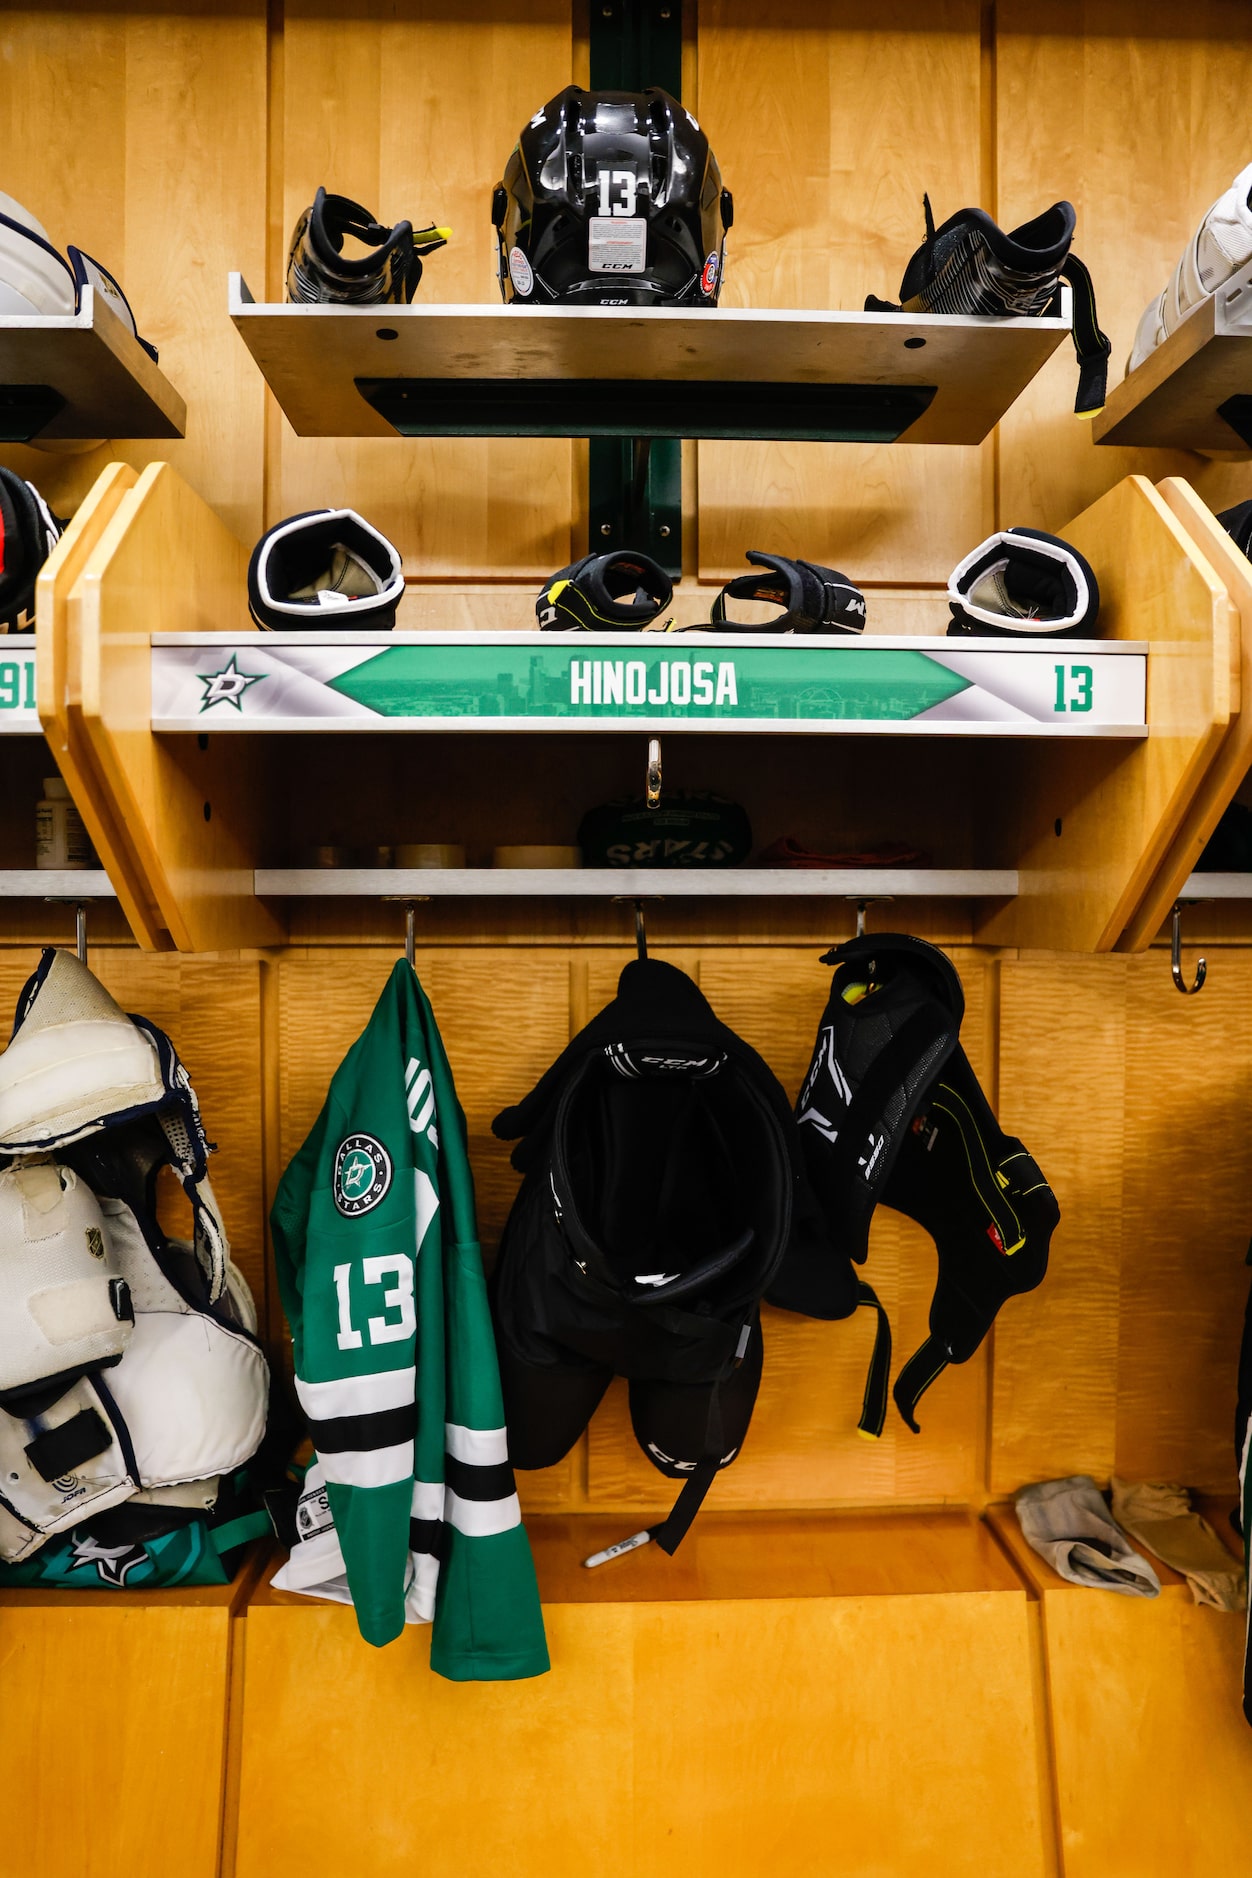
(357, 1395)
(477, 1447)
(427, 1501)
(478, 1519)
(370, 1467)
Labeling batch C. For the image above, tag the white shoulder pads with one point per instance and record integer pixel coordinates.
(193, 1391)
(75, 1059)
(64, 1306)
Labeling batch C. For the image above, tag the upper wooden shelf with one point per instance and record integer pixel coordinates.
(628, 883)
(1194, 392)
(19, 716)
(1216, 887)
(707, 682)
(481, 371)
(81, 376)
(37, 883)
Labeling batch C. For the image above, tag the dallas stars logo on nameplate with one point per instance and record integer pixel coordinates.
(362, 1174)
(227, 686)
(701, 681)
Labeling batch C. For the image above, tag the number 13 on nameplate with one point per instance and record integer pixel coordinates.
(1073, 688)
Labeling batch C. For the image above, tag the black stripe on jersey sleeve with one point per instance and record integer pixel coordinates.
(385, 1428)
(478, 1483)
(429, 1535)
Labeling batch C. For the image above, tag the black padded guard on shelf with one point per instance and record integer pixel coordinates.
(602, 407)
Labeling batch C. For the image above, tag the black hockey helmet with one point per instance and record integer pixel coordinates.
(612, 198)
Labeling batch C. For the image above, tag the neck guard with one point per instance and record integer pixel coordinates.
(814, 599)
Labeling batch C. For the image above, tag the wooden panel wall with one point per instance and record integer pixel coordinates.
(1124, 1360)
(793, 100)
(412, 110)
(141, 137)
(1137, 1103)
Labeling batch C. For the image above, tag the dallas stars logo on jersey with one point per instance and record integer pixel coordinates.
(362, 1174)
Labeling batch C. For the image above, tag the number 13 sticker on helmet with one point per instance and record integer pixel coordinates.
(612, 198)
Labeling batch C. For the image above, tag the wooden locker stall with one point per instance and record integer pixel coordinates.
(853, 1665)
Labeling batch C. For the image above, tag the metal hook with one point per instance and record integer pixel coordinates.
(80, 931)
(872, 900)
(641, 931)
(1175, 957)
(653, 788)
(410, 903)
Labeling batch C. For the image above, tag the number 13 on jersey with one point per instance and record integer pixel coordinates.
(398, 1319)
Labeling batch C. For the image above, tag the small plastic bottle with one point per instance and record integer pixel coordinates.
(60, 838)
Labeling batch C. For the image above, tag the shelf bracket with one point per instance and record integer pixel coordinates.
(635, 483)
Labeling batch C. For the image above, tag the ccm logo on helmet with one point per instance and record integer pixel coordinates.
(708, 279)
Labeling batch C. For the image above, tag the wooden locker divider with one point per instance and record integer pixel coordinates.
(166, 563)
(1151, 1752)
(1234, 759)
(751, 1705)
(1090, 824)
(113, 1726)
(54, 657)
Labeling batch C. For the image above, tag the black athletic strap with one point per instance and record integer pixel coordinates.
(1090, 343)
(874, 1403)
(58, 1451)
(888, 1072)
(916, 1377)
(342, 216)
(813, 598)
(672, 1530)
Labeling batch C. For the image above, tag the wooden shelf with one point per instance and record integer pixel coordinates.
(663, 883)
(81, 376)
(1216, 887)
(1174, 399)
(38, 883)
(546, 681)
(603, 371)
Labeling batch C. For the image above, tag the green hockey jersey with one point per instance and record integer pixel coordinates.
(380, 1274)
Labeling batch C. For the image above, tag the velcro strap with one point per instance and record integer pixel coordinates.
(1090, 343)
(672, 1530)
(874, 1402)
(916, 1377)
(813, 597)
(59, 1451)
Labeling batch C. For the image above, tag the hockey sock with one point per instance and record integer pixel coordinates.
(1069, 1525)
(1159, 1515)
